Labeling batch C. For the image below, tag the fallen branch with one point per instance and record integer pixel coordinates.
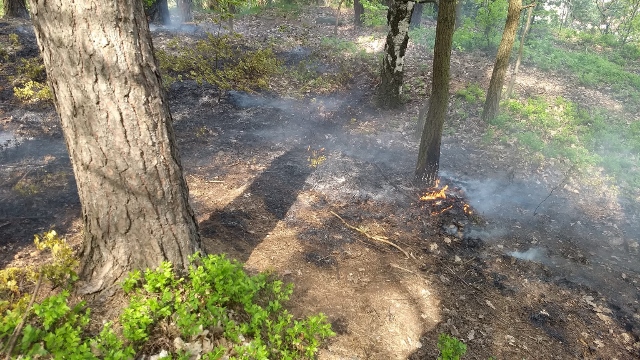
(381, 239)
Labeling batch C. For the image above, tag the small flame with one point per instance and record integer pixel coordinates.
(440, 194)
(442, 211)
(467, 209)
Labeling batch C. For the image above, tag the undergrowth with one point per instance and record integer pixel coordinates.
(218, 62)
(214, 311)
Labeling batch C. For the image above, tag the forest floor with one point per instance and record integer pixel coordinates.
(520, 260)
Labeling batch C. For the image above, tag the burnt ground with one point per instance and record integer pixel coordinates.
(543, 265)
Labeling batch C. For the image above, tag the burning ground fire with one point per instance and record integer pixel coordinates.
(442, 200)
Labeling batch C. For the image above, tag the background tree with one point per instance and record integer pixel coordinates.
(118, 128)
(392, 69)
(416, 17)
(512, 81)
(429, 151)
(16, 9)
(358, 11)
(185, 7)
(492, 101)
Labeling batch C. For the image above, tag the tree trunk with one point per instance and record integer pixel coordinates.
(15, 9)
(416, 17)
(512, 82)
(163, 12)
(118, 128)
(184, 7)
(492, 102)
(392, 69)
(429, 151)
(358, 11)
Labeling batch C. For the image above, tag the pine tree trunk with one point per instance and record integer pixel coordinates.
(429, 151)
(392, 69)
(358, 11)
(512, 81)
(184, 7)
(163, 12)
(15, 9)
(118, 128)
(492, 103)
(416, 17)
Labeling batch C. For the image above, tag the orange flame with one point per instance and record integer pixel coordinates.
(441, 211)
(440, 194)
(467, 209)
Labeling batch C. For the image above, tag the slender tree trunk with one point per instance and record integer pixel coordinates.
(163, 12)
(358, 11)
(429, 151)
(492, 102)
(184, 7)
(15, 9)
(416, 17)
(512, 82)
(335, 28)
(118, 128)
(392, 69)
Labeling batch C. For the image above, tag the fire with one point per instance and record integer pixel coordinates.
(467, 209)
(434, 195)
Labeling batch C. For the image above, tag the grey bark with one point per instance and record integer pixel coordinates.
(15, 9)
(118, 129)
(429, 151)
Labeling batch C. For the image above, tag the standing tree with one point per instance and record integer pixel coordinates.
(512, 81)
(184, 6)
(416, 17)
(358, 11)
(492, 102)
(429, 151)
(118, 128)
(392, 69)
(16, 9)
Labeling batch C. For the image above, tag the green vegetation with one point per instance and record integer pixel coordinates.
(472, 94)
(586, 137)
(482, 28)
(216, 308)
(219, 62)
(450, 348)
(375, 13)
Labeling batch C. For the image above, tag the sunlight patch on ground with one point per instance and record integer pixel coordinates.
(370, 44)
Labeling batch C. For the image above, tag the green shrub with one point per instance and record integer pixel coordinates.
(450, 348)
(472, 93)
(216, 300)
(33, 91)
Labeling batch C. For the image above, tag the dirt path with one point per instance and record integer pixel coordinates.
(541, 268)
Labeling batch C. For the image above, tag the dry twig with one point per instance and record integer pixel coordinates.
(382, 239)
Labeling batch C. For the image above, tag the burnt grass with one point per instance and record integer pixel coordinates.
(526, 271)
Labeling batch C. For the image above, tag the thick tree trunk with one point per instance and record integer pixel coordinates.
(429, 151)
(392, 69)
(512, 81)
(16, 9)
(358, 11)
(118, 128)
(416, 17)
(184, 6)
(492, 103)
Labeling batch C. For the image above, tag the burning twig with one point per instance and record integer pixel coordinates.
(382, 239)
(434, 195)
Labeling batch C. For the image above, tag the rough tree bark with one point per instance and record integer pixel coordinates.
(16, 9)
(512, 81)
(416, 17)
(492, 103)
(184, 7)
(429, 151)
(392, 69)
(118, 129)
(358, 11)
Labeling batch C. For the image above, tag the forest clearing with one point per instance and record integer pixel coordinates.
(526, 248)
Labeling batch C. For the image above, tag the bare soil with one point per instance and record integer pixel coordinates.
(541, 265)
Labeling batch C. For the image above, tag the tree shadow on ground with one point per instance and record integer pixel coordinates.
(243, 223)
